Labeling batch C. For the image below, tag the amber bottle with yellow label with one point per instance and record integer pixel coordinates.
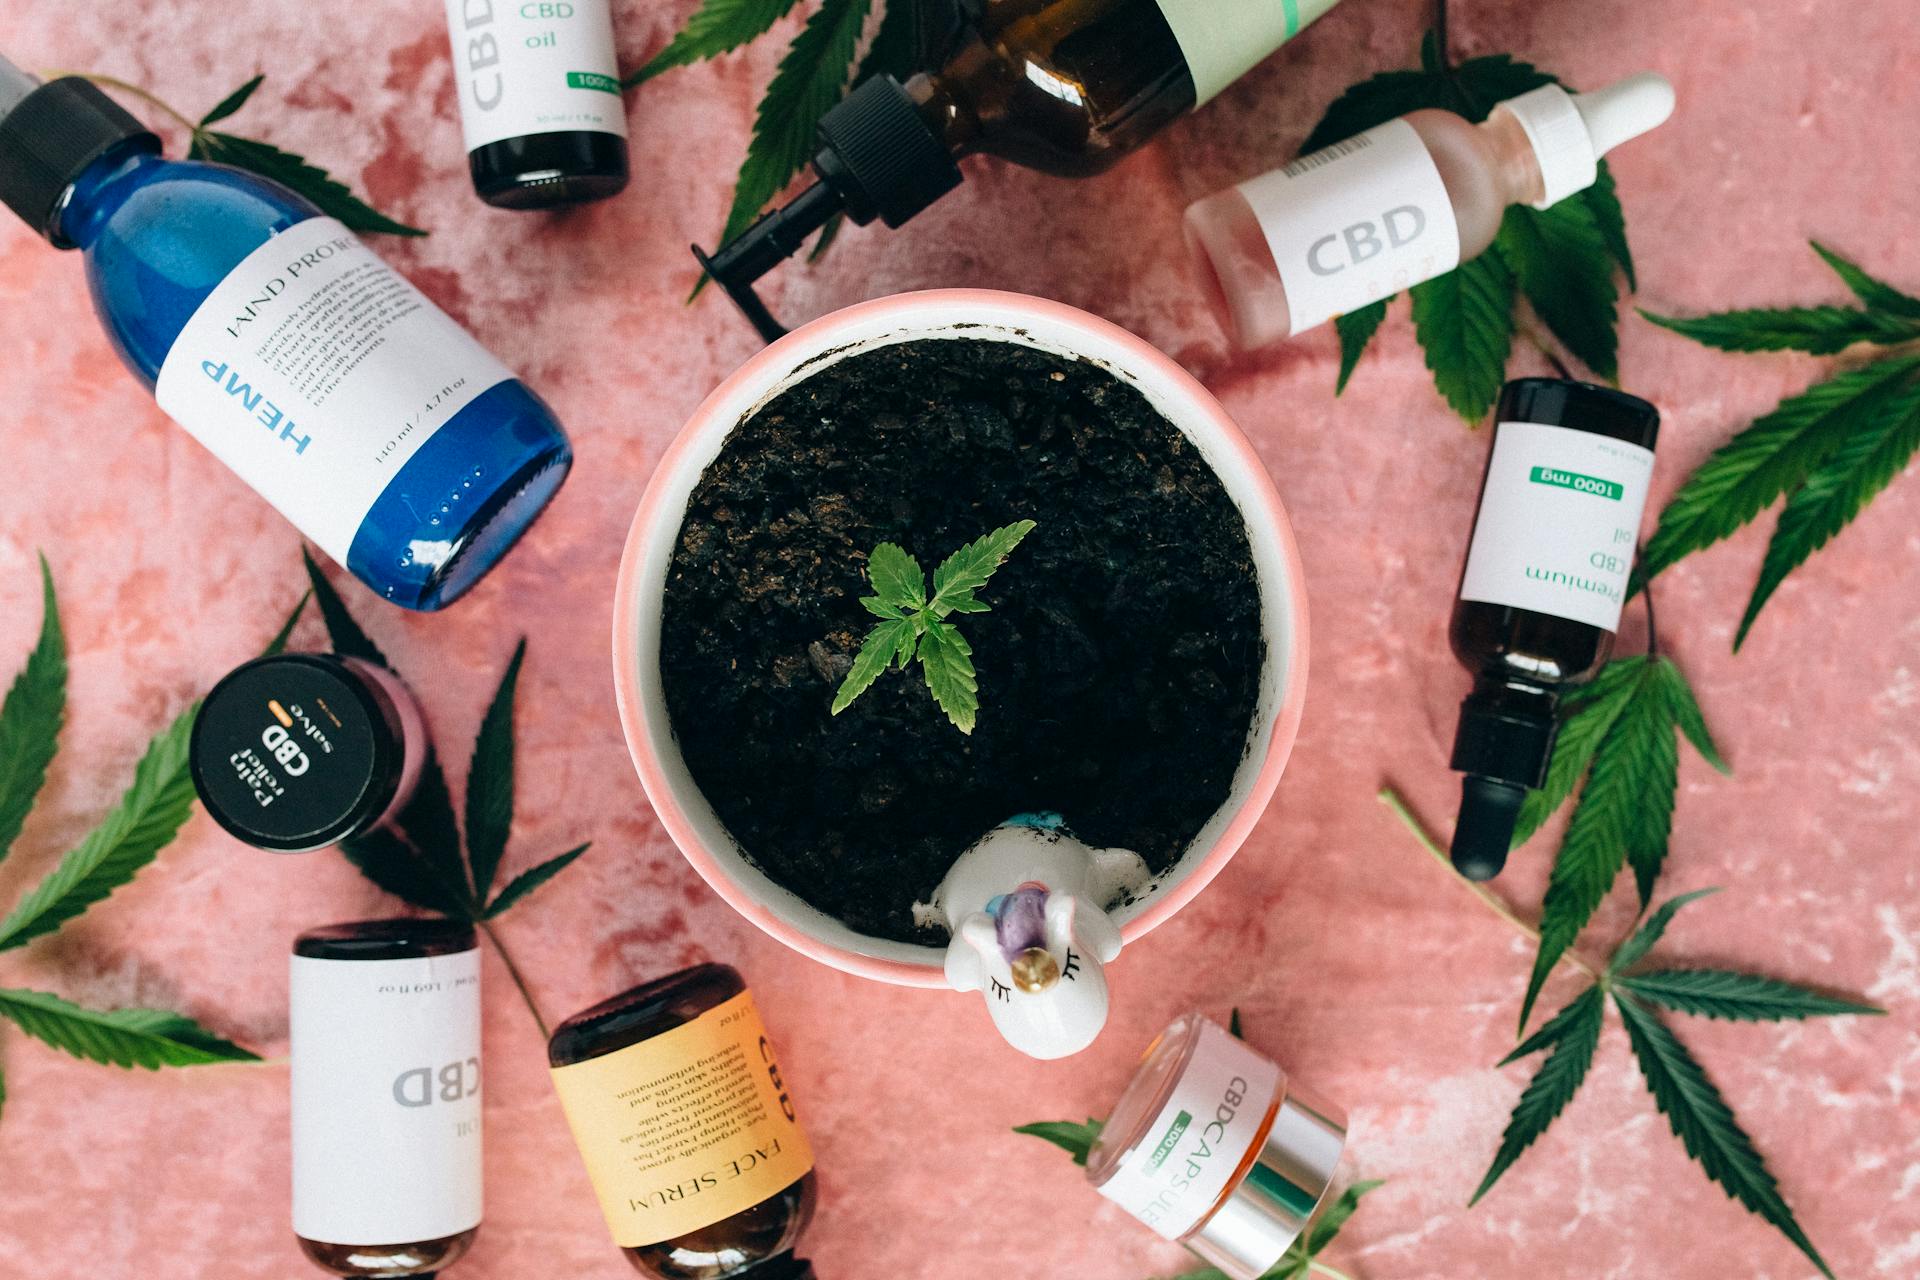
(690, 1137)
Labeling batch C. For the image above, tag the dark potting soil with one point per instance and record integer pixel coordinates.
(1118, 668)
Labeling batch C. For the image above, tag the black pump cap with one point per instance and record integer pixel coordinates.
(50, 138)
(780, 1267)
(1484, 833)
(879, 157)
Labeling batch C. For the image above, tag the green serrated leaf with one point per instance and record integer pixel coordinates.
(1075, 1139)
(278, 644)
(1877, 294)
(490, 781)
(343, 633)
(1372, 102)
(1841, 486)
(1585, 716)
(811, 79)
(1819, 330)
(1774, 454)
(1464, 322)
(428, 824)
(1564, 266)
(527, 881)
(1739, 997)
(146, 818)
(897, 577)
(881, 609)
(1624, 814)
(1603, 202)
(31, 717)
(330, 196)
(876, 651)
(1650, 932)
(946, 659)
(716, 27)
(1356, 329)
(1549, 1033)
(150, 1038)
(1704, 1123)
(1576, 1033)
(1326, 1227)
(396, 867)
(1685, 710)
(232, 102)
(967, 570)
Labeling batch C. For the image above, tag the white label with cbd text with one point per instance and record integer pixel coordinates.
(534, 66)
(386, 1098)
(1175, 1174)
(1222, 40)
(1355, 222)
(1558, 521)
(315, 371)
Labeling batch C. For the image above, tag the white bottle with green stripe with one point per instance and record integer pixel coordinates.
(540, 102)
(1222, 40)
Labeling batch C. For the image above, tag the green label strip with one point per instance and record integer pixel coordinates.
(1578, 483)
(1168, 1141)
(592, 80)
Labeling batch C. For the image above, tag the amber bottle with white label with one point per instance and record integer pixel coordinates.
(691, 1140)
(1068, 87)
(385, 1028)
(1403, 202)
(1546, 575)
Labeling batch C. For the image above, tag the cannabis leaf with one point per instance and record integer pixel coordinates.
(146, 819)
(150, 1038)
(422, 859)
(1562, 259)
(1074, 1139)
(911, 625)
(31, 716)
(1829, 450)
(1621, 732)
(1694, 1107)
(716, 27)
(332, 197)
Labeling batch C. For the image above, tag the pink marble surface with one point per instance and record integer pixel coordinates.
(1355, 962)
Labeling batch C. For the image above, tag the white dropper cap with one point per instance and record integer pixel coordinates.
(1570, 132)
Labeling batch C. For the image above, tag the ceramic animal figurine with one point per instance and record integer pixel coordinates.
(1026, 906)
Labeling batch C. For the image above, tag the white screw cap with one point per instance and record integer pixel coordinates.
(1570, 132)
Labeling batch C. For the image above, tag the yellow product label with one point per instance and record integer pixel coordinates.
(687, 1128)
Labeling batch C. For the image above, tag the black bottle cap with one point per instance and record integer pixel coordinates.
(1582, 406)
(1506, 733)
(780, 1267)
(879, 157)
(1484, 833)
(48, 140)
(295, 752)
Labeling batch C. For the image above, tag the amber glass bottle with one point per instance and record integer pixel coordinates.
(1067, 87)
(1540, 596)
(385, 1031)
(690, 1138)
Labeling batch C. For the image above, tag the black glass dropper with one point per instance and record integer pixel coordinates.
(878, 158)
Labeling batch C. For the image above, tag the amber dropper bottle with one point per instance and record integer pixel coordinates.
(689, 1135)
(1068, 87)
(1540, 596)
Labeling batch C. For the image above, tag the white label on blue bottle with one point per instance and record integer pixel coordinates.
(1222, 40)
(316, 371)
(385, 1098)
(1558, 521)
(1356, 222)
(534, 66)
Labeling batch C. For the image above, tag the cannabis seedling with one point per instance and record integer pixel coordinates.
(912, 625)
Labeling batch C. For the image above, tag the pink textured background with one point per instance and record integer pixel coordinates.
(1356, 963)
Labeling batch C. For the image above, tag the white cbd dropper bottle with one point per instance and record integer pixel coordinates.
(1403, 202)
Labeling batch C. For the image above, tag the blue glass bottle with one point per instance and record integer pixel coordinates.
(159, 236)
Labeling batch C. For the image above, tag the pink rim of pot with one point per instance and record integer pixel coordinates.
(965, 313)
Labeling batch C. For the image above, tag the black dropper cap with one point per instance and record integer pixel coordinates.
(1503, 744)
(879, 157)
(49, 135)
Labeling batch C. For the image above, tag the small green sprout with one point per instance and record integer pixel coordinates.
(913, 626)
